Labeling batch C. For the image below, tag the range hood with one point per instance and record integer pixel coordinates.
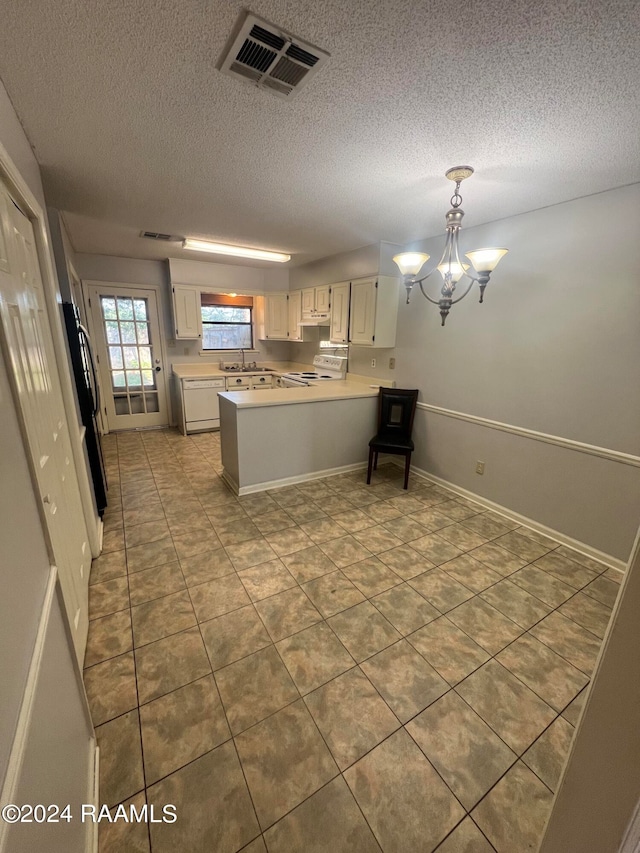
(316, 320)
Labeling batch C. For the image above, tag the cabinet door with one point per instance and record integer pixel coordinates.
(308, 300)
(186, 312)
(295, 315)
(339, 313)
(363, 312)
(276, 316)
(323, 299)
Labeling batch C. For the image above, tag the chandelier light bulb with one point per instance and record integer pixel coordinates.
(410, 263)
(486, 260)
(457, 270)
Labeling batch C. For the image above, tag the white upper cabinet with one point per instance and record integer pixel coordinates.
(187, 314)
(276, 316)
(316, 300)
(339, 331)
(374, 311)
(295, 315)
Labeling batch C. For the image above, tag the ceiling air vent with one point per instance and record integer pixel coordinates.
(157, 235)
(271, 58)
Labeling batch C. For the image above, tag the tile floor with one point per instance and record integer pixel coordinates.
(329, 666)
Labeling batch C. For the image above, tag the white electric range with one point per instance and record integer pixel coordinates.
(326, 368)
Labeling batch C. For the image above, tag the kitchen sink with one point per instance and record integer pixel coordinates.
(248, 369)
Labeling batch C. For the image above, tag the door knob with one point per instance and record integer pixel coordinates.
(158, 369)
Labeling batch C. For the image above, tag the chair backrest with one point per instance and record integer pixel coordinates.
(396, 411)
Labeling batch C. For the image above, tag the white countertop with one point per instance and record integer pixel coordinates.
(340, 389)
(212, 371)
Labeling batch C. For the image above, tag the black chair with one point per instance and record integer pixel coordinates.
(396, 411)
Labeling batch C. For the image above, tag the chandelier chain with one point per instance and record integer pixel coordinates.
(456, 198)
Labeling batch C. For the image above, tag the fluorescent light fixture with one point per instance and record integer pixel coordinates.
(236, 251)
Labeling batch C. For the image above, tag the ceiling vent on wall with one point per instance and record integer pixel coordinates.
(158, 235)
(272, 59)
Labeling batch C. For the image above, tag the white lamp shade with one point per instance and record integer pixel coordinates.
(410, 263)
(485, 260)
(457, 270)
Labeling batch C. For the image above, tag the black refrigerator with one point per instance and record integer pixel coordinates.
(86, 381)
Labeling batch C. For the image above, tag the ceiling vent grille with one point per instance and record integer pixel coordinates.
(157, 235)
(271, 58)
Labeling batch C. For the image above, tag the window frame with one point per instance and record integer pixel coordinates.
(223, 300)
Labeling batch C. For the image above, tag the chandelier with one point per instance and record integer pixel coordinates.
(484, 261)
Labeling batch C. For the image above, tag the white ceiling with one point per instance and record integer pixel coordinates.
(136, 129)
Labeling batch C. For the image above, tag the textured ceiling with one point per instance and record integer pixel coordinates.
(135, 128)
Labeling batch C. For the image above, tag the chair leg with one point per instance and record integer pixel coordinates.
(369, 466)
(375, 461)
(407, 465)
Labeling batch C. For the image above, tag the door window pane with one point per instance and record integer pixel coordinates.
(131, 359)
(113, 333)
(140, 309)
(145, 357)
(133, 379)
(128, 332)
(118, 379)
(143, 333)
(147, 376)
(115, 357)
(152, 402)
(125, 309)
(109, 308)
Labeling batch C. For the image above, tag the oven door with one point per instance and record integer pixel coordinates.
(287, 382)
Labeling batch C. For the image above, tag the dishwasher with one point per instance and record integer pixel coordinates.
(201, 406)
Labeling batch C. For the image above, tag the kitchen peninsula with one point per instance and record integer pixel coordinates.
(286, 435)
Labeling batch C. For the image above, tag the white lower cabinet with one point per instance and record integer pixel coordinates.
(374, 311)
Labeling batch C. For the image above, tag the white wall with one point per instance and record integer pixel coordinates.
(556, 349)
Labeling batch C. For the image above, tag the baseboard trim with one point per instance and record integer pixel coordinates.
(525, 521)
(546, 438)
(290, 481)
(14, 765)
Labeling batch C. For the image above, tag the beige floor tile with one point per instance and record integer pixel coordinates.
(170, 663)
(181, 726)
(351, 716)
(568, 639)
(449, 650)
(431, 518)
(436, 549)
(308, 564)
(513, 814)
(484, 624)
(250, 553)
(218, 596)
(150, 554)
(121, 773)
(405, 608)
(462, 537)
(273, 521)
(382, 512)
(212, 802)
(516, 603)
(566, 570)
(108, 597)
(254, 687)
(108, 636)
(155, 583)
(486, 525)
(354, 520)
(286, 613)
(108, 566)
(512, 710)
(328, 820)
(588, 562)
(322, 529)
(156, 619)
(149, 531)
(471, 573)
(111, 688)
(371, 576)
(123, 836)
(235, 532)
(345, 551)
(543, 585)
(314, 656)
(284, 759)
(406, 562)
(207, 566)
(468, 755)
(440, 589)
(233, 636)
(196, 542)
(266, 579)
(332, 593)
(404, 679)
(588, 613)
(522, 546)
(573, 710)
(498, 559)
(466, 838)
(547, 755)
(603, 590)
(377, 539)
(363, 630)
(406, 804)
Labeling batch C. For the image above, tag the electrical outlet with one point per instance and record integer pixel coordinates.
(392, 364)
(373, 362)
(479, 467)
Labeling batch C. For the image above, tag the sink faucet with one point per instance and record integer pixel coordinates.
(242, 351)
